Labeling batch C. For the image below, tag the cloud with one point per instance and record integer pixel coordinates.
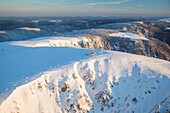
(139, 5)
(47, 4)
(108, 3)
(64, 3)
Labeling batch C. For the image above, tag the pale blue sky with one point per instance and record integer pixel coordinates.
(84, 7)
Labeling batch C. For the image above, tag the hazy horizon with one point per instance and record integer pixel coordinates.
(85, 8)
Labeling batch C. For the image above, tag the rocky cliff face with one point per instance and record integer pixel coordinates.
(153, 48)
(100, 39)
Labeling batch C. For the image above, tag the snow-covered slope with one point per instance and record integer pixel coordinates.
(53, 42)
(132, 36)
(70, 80)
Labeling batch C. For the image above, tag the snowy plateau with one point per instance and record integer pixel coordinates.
(57, 75)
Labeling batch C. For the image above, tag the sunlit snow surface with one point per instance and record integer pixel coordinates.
(131, 36)
(30, 29)
(53, 42)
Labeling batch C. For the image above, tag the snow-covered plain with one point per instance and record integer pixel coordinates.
(129, 35)
(54, 79)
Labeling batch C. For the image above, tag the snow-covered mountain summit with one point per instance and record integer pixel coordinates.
(70, 79)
